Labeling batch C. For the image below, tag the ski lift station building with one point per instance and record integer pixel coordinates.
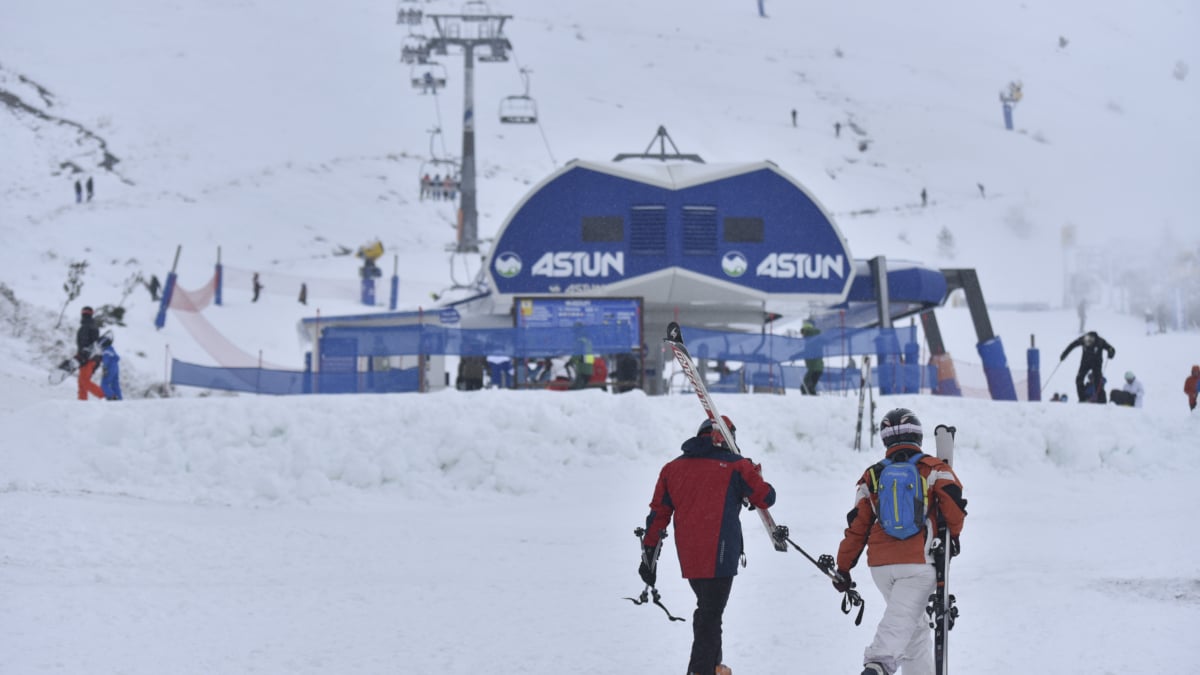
(711, 246)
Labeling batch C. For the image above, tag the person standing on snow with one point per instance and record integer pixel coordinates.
(703, 490)
(1092, 361)
(902, 568)
(86, 354)
(1131, 393)
(814, 366)
(110, 364)
(1191, 387)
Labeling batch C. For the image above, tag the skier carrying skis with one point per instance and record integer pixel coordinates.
(1092, 361)
(704, 489)
(899, 548)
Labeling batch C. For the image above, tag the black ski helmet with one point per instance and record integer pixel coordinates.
(706, 427)
(900, 425)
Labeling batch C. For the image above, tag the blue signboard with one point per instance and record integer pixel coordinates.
(616, 321)
(591, 226)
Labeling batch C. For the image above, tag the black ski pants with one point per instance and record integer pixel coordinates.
(711, 597)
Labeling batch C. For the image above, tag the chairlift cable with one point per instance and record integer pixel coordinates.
(541, 130)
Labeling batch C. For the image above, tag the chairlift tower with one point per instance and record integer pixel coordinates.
(470, 30)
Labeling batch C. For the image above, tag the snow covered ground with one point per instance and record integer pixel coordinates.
(459, 533)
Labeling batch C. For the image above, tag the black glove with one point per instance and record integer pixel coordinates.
(648, 574)
(955, 547)
(845, 584)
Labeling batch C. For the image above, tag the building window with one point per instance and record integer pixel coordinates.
(603, 228)
(741, 230)
(700, 230)
(648, 230)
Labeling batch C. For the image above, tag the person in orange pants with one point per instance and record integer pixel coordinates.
(85, 341)
(86, 385)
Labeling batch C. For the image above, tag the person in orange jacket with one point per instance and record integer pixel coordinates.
(87, 354)
(1191, 386)
(901, 568)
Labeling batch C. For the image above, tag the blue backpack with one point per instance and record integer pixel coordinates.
(903, 497)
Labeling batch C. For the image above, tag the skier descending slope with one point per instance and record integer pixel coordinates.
(898, 502)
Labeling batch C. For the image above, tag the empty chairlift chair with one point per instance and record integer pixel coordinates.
(521, 109)
(518, 110)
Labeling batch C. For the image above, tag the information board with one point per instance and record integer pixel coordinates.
(623, 314)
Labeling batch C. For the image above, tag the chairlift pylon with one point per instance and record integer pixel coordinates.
(521, 108)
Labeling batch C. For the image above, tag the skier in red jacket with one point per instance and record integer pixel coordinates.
(704, 489)
(1191, 386)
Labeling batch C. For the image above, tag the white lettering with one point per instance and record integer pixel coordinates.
(801, 266)
(579, 264)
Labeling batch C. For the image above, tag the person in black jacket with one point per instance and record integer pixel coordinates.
(86, 354)
(1092, 361)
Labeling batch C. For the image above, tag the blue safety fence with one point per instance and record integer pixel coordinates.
(348, 356)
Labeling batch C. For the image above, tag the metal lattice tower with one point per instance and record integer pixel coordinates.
(468, 31)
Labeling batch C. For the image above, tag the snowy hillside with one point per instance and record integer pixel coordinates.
(459, 533)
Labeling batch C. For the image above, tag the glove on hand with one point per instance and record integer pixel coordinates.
(647, 574)
(955, 547)
(845, 584)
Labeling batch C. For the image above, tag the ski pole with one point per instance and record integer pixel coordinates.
(827, 565)
(1051, 376)
(651, 560)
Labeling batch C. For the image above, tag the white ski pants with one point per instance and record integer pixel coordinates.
(902, 640)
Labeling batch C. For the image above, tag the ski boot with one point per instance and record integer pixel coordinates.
(873, 668)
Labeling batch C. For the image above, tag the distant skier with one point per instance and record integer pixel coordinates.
(901, 564)
(924, 197)
(303, 293)
(110, 364)
(78, 191)
(1091, 362)
(89, 188)
(793, 117)
(1191, 387)
(982, 192)
(154, 285)
(703, 490)
(257, 287)
(837, 129)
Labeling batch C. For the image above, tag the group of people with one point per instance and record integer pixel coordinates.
(704, 489)
(438, 188)
(92, 349)
(1090, 380)
(80, 187)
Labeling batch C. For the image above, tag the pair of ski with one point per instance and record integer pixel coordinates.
(941, 609)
